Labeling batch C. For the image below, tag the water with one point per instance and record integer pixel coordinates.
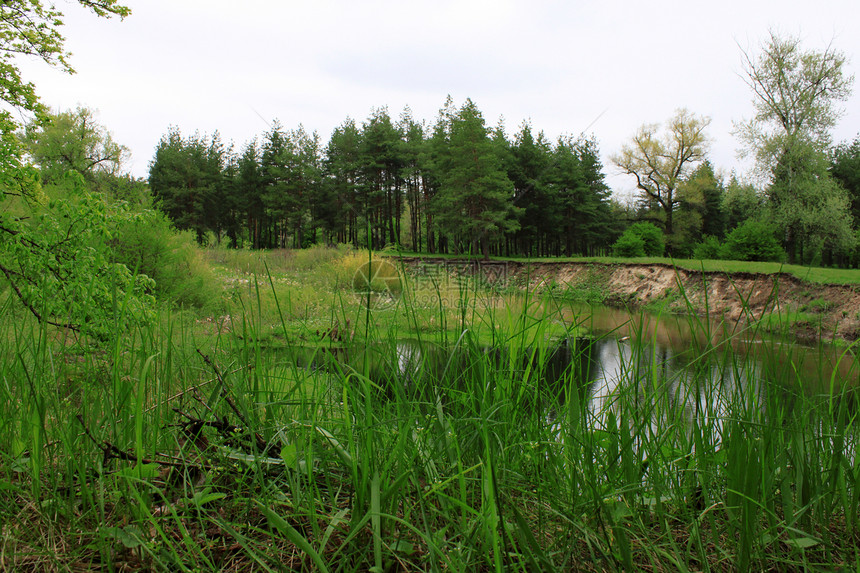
(696, 364)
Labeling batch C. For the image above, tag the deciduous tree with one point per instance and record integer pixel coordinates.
(73, 141)
(661, 161)
(796, 92)
(54, 255)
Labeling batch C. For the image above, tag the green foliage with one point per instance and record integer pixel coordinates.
(579, 197)
(53, 254)
(795, 96)
(386, 183)
(527, 162)
(380, 159)
(742, 202)
(629, 245)
(73, 141)
(753, 240)
(290, 171)
(19, 179)
(474, 204)
(845, 168)
(709, 248)
(58, 263)
(411, 455)
(812, 208)
(701, 210)
(146, 243)
(649, 234)
(29, 28)
(796, 92)
(187, 183)
(661, 162)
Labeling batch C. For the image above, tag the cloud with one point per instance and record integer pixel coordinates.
(217, 65)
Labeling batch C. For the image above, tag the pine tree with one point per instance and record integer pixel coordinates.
(474, 204)
(185, 177)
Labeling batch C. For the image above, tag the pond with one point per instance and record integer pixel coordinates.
(633, 421)
(696, 362)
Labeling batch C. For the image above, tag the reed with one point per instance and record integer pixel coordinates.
(458, 446)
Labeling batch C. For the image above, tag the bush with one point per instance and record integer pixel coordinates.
(629, 245)
(146, 242)
(645, 235)
(709, 248)
(752, 241)
(56, 259)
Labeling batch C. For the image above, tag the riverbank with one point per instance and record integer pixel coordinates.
(811, 310)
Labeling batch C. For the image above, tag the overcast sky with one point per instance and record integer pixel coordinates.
(601, 67)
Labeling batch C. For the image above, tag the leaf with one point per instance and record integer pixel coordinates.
(292, 535)
(201, 498)
(128, 536)
(537, 557)
(617, 509)
(290, 455)
(402, 546)
(603, 438)
(338, 448)
(140, 471)
(801, 542)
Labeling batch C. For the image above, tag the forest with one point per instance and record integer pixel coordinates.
(456, 187)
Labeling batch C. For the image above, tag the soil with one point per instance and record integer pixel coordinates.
(827, 311)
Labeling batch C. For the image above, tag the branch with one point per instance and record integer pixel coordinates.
(111, 452)
(8, 273)
(261, 443)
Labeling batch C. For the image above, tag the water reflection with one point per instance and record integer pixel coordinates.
(695, 366)
(692, 341)
(664, 380)
(656, 387)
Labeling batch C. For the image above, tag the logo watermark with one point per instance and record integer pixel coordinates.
(380, 284)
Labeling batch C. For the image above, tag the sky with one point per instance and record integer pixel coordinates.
(601, 68)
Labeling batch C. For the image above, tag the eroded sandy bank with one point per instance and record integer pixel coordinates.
(828, 311)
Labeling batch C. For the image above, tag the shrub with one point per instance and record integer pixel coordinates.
(146, 242)
(709, 248)
(56, 259)
(752, 240)
(652, 236)
(629, 245)
(648, 235)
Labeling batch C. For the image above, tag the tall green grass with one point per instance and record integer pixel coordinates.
(182, 448)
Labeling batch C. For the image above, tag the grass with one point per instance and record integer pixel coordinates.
(202, 445)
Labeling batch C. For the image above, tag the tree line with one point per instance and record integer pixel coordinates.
(459, 186)
(456, 186)
(807, 208)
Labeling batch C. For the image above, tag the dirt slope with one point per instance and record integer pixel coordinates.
(829, 311)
